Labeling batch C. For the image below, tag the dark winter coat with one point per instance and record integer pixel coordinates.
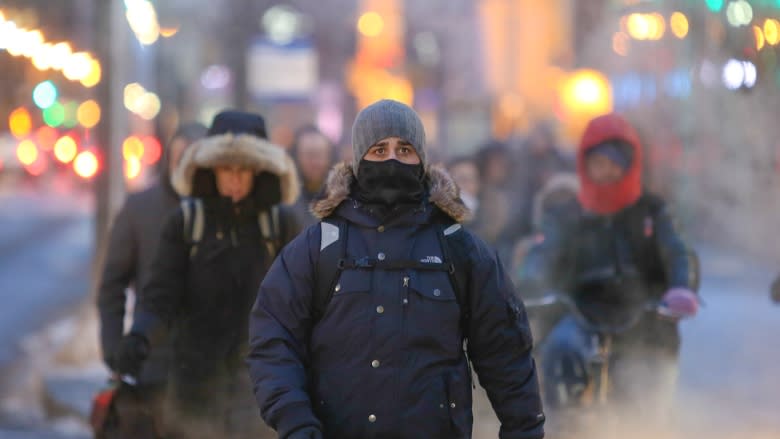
(133, 242)
(610, 262)
(202, 298)
(386, 359)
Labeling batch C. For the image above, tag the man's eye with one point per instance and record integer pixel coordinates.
(405, 150)
(379, 151)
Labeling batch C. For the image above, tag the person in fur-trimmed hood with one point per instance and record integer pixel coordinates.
(359, 326)
(213, 253)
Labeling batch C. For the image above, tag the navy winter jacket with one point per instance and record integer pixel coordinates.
(386, 359)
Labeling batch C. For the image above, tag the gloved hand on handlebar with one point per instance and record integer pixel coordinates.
(679, 303)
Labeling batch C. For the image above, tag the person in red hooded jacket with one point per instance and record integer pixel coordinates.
(615, 255)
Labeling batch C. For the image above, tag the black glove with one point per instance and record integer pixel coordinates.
(131, 353)
(775, 290)
(306, 433)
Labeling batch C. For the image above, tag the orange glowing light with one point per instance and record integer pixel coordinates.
(86, 165)
(759, 36)
(679, 24)
(620, 43)
(88, 113)
(20, 123)
(65, 149)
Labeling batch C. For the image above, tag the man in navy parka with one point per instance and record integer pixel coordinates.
(384, 358)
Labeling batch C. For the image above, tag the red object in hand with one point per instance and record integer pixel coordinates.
(680, 303)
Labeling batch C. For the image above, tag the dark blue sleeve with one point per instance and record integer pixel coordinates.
(279, 329)
(499, 345)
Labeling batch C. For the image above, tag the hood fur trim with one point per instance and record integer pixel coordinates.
(253, 152)
(444, 193)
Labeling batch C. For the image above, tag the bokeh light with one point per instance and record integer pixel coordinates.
(132, 168)
(371, 24)
(65, 149)
(133, 148)
(88, 114)
(679, 24)
(45, 94)
(152, 150)
(54, 116)
(27, 152)
(86, 164)
(19, 122)
(772, 31)
(46, 137)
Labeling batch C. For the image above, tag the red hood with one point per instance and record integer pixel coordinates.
(611, 198)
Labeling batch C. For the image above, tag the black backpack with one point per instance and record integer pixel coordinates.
(332, 261)
(194, 225)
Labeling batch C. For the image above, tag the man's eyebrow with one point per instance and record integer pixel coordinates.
(380, 143)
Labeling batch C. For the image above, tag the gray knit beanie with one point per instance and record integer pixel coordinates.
(382, 119)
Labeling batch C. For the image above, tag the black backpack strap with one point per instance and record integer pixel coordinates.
(455, 249)
(268, 221)
(333, 251)
(194, 223)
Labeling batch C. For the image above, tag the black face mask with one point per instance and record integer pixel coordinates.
(389, 182)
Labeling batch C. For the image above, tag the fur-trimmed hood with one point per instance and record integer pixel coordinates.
(253, 152)
(443, 192)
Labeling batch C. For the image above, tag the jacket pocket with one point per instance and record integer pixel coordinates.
(352, 281)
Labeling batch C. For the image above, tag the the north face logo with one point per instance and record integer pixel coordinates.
(431, 260)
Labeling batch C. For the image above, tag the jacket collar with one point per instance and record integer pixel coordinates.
(443, 193)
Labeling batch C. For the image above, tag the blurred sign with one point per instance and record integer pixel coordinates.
(277, 71)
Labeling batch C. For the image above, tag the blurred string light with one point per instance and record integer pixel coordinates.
(132, 168)
(739, 13)
(758, 35)
(54, 116)
(772, 31)
(281, 23)
(141, 102)
(646, 26)
(714, 5)
(65, 149)
(152, 150)
(44, 95)
(142, 18)
(46, 137)
(371, 24)
(19, 122)
(88, 114)
(678, 22)
(48, 55)
(620, 43)
(86, 164)
(737, 74)
(71, 114)
(132, 148)
(27, 152)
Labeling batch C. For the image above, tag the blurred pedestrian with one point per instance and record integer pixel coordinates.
(465, 173)
(538, 159)
(359, 327)
(617, 255)
(214, 251)
(315, 155)
(132, 245)
(498, 205)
